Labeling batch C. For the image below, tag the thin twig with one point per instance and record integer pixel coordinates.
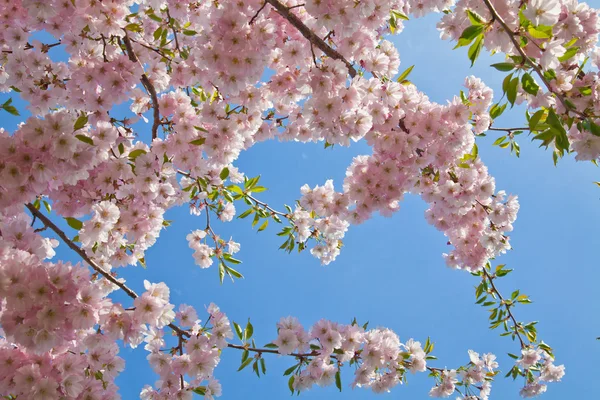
(506, 306)
(257, 12)
(104, 48)
(507, 129)
(172, 21)
(314, 353)
(265, 205)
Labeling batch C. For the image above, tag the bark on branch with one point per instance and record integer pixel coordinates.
(147, 84)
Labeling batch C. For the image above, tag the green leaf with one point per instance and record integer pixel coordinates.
(499, 141)
(469, 34)
(517, 148)
(81, 122)
(290, 370)
(474, 18)
(224, 173)
(540, 31)
(198, 142)
(592, 127)
(405, 74)
(133, 27)
(258, 189)
(10, 109)
(535, 119)
(504, 66)
(264, 225)
(85, 139)
(232, 260)
(238, 330)
(497, 110)
(47, 206)
(475, 49)
(511, 92)
(201, 390)
(506, 82)
(529, 84)
(249, 331)
(188, 32)
(74, 223)
(571, 51)
(221, 272)
(503, 272)
(546, 137)
(338, 380)
(233, 273)
(263, 367)
(246, 213)
(250, 183)
(245, 363)
(291, 383)
(136, 153)
(157, 33)
(399, 15)
(562, 141)
(154, 17)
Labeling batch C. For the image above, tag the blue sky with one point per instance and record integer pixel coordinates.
(391, 271)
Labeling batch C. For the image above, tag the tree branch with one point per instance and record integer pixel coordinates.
(48, 223)
(537, 69)
(310, 35)
(314, 353)
(147, 84)
(507, 129)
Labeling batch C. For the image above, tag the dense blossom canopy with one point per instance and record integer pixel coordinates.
(195, 72)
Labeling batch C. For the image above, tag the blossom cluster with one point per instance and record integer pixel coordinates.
(380, 357)
(479, 373)
(195, 356)
(50, 315)
(560, 37)
(540, 360)
(193, 70)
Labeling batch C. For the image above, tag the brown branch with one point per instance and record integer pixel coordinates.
(310, 35)
(104, 48)
(536, 68)
(29, 46)
(157, 51)
(147, 84)
(48, 223)
(257, 12)
(314, 353)
(266, 206)
(507, 129)
(172, 23)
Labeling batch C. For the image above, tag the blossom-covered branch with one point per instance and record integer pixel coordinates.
(286, 13)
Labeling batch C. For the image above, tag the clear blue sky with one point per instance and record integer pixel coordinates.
(391, 271)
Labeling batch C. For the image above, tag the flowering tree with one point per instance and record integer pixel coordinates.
(194, 70)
